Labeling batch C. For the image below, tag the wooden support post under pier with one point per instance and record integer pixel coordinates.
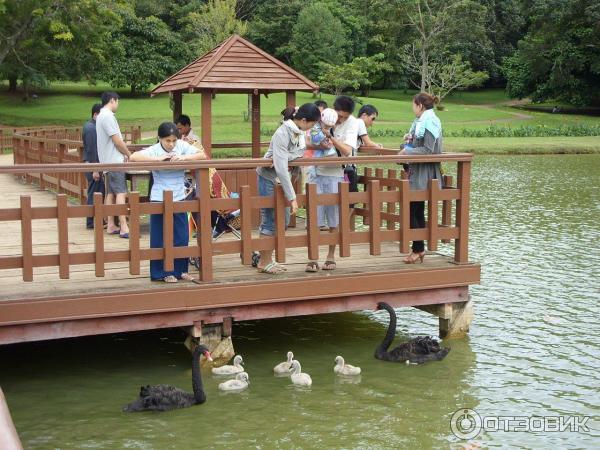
(454, 318)
(217, 337)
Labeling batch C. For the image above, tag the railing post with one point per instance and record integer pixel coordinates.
(432, 214)
(374, 218)
(345, 214)
(26, 238)
(404, 216)
(204, 234)
(60, 152)
(246, 231)
(463, 183)
(99, 233)
(447, 206)
(62, 222)
(41, 153)
(168, 231)
(134, 233)
(390, 207)
(312, 225)
(280, 213)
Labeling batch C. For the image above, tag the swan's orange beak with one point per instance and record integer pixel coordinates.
(208, 356)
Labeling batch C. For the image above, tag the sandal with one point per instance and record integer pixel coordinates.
(329, 265)
(270, 269)
(170, 279)
(312, 266)
(414, 257)
(280, 267)
(187, 277)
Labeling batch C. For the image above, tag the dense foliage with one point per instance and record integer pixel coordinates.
(544, 49)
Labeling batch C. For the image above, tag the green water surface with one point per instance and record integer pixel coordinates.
(533, 349)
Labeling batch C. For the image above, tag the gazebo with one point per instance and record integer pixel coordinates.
(235, 66)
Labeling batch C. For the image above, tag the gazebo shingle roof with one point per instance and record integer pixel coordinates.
(236, 65)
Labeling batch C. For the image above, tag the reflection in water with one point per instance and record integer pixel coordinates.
(532, 350)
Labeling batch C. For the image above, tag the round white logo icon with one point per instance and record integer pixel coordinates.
(465, 424)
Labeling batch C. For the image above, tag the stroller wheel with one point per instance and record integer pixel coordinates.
(255, 259)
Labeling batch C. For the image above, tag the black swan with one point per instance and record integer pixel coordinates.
(163, 397)
(417, 351)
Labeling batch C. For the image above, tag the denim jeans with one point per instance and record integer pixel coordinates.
(266, 188)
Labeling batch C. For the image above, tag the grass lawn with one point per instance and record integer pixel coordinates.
(70, 103)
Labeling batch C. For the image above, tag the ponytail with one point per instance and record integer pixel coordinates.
(289, 113)
(308, 112)
(426, 100)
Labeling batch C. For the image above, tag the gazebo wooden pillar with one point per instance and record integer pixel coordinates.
(235, 66)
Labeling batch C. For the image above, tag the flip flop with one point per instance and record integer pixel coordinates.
(114, 232)
(124, 235)
(187, 277)
(329, 265)
(312, 266)
(270, 269)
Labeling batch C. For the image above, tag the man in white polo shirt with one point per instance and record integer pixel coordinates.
(112, 149)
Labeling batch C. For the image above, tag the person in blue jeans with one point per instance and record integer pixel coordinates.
(287, 144)
(169, 148)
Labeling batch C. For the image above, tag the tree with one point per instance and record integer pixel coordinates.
(60, 39)
(439, 29)
(272, 24)
(455, 74)
(336, 78)
(211, 25)
(360, 72)
(148, 51)
(317, 37)
(559, 58)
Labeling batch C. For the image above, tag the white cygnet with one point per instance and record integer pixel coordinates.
(229, 369)
(341, 368)
(284, 367)
(241, 382)
(299, 378)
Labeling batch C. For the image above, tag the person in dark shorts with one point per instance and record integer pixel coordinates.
(112, 149)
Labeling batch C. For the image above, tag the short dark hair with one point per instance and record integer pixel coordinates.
(96, 108)
(108, 96)
(184, 120)
(344, 103)
(167, 129)
(369, 110)
(321, 103)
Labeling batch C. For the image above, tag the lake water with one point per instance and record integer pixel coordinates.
(533, 349)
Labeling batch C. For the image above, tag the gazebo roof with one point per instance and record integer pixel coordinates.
(236, 65)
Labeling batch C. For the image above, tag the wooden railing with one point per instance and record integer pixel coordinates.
(58, 146)
(385, 201)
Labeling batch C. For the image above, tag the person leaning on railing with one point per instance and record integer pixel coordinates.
(169, 148)
(287, 144)
(424, 138)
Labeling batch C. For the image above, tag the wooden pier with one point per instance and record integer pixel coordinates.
(61, 280)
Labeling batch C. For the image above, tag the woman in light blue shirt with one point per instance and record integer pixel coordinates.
(169, 148)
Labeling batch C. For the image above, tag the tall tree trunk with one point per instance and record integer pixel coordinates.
(424, 69)
(12, 84)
